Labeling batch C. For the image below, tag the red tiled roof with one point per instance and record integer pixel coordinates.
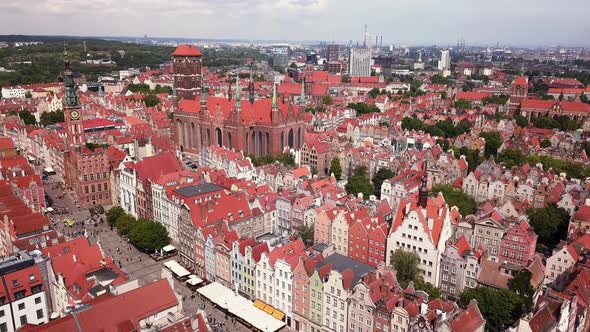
(187, 50)
(116, 313)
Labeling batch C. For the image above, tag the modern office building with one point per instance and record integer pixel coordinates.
(359, 62)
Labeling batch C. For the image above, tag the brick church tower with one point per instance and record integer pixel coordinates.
(518, 94)
(187, 69)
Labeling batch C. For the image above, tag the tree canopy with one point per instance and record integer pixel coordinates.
(493, 142)
(336, 168)
(521, 121)
(462, 104)
(50, 118)
(456, 197)
(445, 128)
(512, 157)
(27, 117)
(148, 235)
(363, 108)
(500, 308)
(406, 264)
(305, 234)
(327, 100)
(359, 183)
(550, 224)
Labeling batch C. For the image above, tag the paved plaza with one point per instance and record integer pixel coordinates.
(135, 264)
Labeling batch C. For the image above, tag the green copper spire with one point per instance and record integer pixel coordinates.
(203, 91)
(71, 97)
(274, 95)
(302, 97)
(238, 93)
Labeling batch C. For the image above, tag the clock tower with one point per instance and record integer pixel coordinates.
(72, 113)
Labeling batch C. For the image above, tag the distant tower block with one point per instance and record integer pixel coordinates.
(187, 70)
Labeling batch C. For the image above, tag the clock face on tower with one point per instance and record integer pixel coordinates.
(74, 115)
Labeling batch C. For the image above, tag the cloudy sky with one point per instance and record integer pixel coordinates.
(412, 22)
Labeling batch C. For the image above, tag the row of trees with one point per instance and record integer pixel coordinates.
(406, 264)
(145, 89)
(444, 128)
(286, 159)
(513, 157)
(46, 119)
(146, 235)
(364, 108)
(455, 197)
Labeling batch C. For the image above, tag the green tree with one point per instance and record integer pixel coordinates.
(472, 156)
(306, 235)
(511, 158)
(363, 108)
(545, 143)
(550, 223)
(336, 168)
(521, 285)
(148, 236)
(151, 100)
(439, 79)
(124, 223)
(26, 116)
(381, 175)
(456, 197)
(500, 308)
(432, 291)
(50, 118)
(468, 86)
(113, 214)
(359, 183)
(462, 104)
(327, 100)
(406, 265)
(521, 121)
(293, 65)
(410, 123)
(374, 92)
(493, 142)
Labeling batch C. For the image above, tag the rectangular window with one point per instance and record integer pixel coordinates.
(21, 306)
(23, 320)
(40, 314)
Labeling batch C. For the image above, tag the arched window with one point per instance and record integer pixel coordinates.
(229, 145)
(254, 143)
(179, 133)
(260, 150)
(193, 137)
(208, 137)
(267, 143)
(219, 136)
(291, 138)
(282, 140)
(246, 145)
(299, 138)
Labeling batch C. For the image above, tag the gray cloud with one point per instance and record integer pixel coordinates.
(528, 22)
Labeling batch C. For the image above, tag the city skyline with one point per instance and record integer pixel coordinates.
(403, 22)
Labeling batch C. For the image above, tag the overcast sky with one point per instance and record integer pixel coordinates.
(411, 22)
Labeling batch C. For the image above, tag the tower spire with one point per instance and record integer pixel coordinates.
(302, 96)
(238, 101)
(203, 95)
(423, 191)
(274, 96)
(251, 88)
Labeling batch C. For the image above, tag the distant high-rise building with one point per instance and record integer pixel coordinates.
(333, 52)
(359, 62)
(445, 60)
(280, 56)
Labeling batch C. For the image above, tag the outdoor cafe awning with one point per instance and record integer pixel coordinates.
(240, 307)
(193, 280)
(177, 269)
(169, 248)
(259, 304)
(278, 314)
